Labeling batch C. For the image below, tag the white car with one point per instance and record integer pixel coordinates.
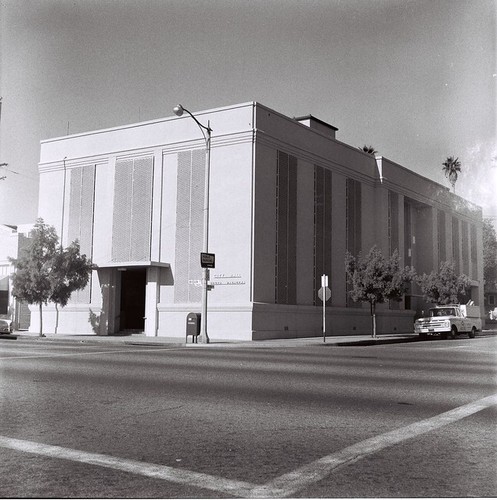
(493, 314)
(5, 325)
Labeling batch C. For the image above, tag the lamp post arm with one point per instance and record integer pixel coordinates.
(201, 126)
(197, 122)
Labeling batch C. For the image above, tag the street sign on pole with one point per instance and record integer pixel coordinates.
(324, 293)
(207, 260)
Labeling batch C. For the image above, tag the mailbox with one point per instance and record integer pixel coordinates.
(193, 326)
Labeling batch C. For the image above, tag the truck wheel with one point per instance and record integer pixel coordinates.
(472, 333)
(453, 332)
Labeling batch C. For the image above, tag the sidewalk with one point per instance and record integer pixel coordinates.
(142, 339)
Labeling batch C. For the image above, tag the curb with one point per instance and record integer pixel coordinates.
(148, 344)
(339, 340)
(170, 342)
(379, 341)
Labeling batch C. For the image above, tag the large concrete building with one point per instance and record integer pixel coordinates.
(287, 201)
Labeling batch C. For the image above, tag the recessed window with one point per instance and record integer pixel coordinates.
(286, 229)
(4, 301)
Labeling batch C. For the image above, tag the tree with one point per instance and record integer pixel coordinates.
(444, 286)
(489, 254)
(370, 150)
(375, 279)
(70, 272)
(46, 272)
(451, 168)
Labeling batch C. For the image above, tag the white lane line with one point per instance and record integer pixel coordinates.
(54, 355)
(182, 476)
(466, 348)
(287, 484)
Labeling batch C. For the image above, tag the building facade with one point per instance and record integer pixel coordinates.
(287, 201)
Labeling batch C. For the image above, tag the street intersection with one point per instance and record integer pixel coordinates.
(404, 420)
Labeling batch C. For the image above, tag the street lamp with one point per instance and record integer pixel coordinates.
(206, 132)
(3, 165)
(63, 204)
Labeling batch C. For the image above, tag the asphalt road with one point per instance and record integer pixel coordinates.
(101, 421)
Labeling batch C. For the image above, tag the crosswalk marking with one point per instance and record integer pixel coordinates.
(175, 475)
(285, 485)
(288, 484)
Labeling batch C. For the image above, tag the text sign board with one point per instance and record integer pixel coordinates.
(207, 260)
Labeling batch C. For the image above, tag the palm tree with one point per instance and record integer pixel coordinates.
(370, 150)
(451, 168)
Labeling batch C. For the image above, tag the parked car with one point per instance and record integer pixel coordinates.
(493, 314)
(6, 325)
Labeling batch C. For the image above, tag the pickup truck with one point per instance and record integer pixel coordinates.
(450, 321)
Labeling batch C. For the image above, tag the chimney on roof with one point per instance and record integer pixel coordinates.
(317, 124)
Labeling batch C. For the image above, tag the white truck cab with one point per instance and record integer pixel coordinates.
(450, 320)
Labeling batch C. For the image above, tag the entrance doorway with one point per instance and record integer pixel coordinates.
(133, 283)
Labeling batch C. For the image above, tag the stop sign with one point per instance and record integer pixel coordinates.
(324, 292)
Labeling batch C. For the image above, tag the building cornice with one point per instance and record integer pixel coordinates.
(319, 160)
(241, 137)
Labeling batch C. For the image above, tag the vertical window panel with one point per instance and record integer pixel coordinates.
(189, 226)
(353, 225)
(286, 230)
(393, 221)
(465, 247)
(319, 203)
(353, 216)
(4, 302)
(322, 227)
(442, 254)
(121, 223)
(408, 257)
(292, 232)
(141, 219)
(80, 226)
(393, 231)
(132, 215)
(455, 244)
(474, 253)
(408, 251)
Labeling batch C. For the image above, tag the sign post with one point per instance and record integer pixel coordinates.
(207, 262)
(324, 294)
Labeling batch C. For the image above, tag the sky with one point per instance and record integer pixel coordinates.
(416, 79)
